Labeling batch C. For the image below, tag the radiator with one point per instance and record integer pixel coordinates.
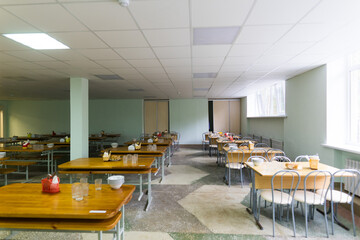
(352, 164)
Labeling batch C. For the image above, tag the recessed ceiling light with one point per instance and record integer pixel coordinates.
(109, 77)
(37, 40)
(204, 75)
(216, 35)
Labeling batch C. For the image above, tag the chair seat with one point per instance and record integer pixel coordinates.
(213, 146)
(205, 141)
(234, 165)
(311, 197)
(279, 197)
(337, 196)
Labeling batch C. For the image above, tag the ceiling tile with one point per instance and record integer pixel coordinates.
(54, 65)
(273, 59)
(279, 11)
(116, 17)
(185, 75)
(168, 37)
(19, 2)
(207, 61)
(234, 68)
(30, 55)
(86, 64)
(212, 13)
(262, 34)
(178, 69)
(145, 63)
(99, 54)
(120, 39)
(172, 52)
(248, 60)
(8, 58)
(215, 35)
(210, 51)
(47, 17)
(63, 54)
(161, 13)
(205, 69)
(113, 63)
(11, 24)
(79, 40)
(284, 48)
(248, 50)
(136, 53)
(150, 70)
(308, 33)
(171, 62)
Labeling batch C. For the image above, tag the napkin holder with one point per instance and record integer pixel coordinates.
(50, 184)
(137, 146)
(106, 156)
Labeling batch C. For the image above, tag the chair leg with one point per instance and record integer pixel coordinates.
(353, 219)
(326, 221)
(273, 216)
(332, 217)
(293, 218)
(229, 177)
(306, 220)
(241, 177)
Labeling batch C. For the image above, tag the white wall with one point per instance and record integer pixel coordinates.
(190, 118)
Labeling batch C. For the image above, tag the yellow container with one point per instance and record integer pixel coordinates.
(314, 162)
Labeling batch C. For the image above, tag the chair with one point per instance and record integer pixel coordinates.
(272, 152)
(262, 145)
(205, 140)
(280, 159)
(266, 141)
(349, 179)
(257, 138)
(235, 161)
(277, 144)
(312, 196)
(212, 145)
(283, 193)
(258, 152)
(176, 139)
(247, 138)
(302, 158)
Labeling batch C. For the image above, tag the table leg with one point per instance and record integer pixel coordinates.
(121, 226)
(169, 156)
(149, 193)
(162, 168)
(254, 203)
(140, 186)
(100, 235)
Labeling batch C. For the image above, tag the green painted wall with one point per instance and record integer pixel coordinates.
(123, 116)
(190, 118)
(305, 125)
(42, 117)
(265, 127)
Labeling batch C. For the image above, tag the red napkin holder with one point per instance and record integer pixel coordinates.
(50, 187)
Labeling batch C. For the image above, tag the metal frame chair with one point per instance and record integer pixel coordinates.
(280, 159)
(276, 152)
(351, 179)
(261, 145)
(205, 140)
(259, 152)
(302, 158)
(250, 160)
(235, 161)
(282, 195)
(315, 197)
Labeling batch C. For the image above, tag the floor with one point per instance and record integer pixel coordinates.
(194, 203)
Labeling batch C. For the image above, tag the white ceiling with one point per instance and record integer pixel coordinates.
(150, 45)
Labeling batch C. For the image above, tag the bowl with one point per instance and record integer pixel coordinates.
(257, 161)
(2, 154)
(50, 145)
(116, 181)
(114, 145)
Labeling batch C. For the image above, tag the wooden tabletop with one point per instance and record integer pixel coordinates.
(270, 168)
(99, 164)
(248, 150)
(124, 150)
(165, 142)
(26, 200)
(24, 138)
(20, 149)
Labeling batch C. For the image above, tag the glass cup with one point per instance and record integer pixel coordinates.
(134, 159)
(83, 180)
(125, 159)
(98, 183)
(76, 191)
(85, 189)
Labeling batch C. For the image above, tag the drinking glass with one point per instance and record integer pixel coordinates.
(76, 191)
(85, 189)
(98, 183)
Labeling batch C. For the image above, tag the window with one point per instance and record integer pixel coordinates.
(354, 100)
(267, 102)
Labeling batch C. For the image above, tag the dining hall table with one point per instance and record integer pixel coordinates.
(99, 166)
(159, 154)
(25, 207)
(261, 179)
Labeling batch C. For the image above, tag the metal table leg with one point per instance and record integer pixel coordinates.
(149, 193)
(162, 168)
(254, 209)
(140, 186)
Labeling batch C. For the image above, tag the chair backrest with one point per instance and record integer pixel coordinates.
(272, 152)
(205, 136)
(250, 159)
(258, 152)
(315, 180)
(280, 159)
(247, 138)
(291, 179)
(235, 157)
(266, 141)
(257, 138)
(261, 145)
(246, 144)
(213, 140)
(349, 180)
(302, 158)
(277, 144)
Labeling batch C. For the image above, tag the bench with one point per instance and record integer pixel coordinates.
(19, 164)
(5, 172)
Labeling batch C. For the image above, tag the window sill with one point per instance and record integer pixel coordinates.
(343, 147)
(282, 116)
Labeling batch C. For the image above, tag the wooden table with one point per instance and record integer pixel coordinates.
(159, 153)
(24, 138)
(247, 152)
(49, 152)
(98, 166)
(261, 179)
(25, 207)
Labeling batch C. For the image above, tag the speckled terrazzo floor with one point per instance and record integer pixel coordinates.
(193, 203)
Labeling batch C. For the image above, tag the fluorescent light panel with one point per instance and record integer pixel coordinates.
(37, 41)
(216, 35)
(205, 75)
